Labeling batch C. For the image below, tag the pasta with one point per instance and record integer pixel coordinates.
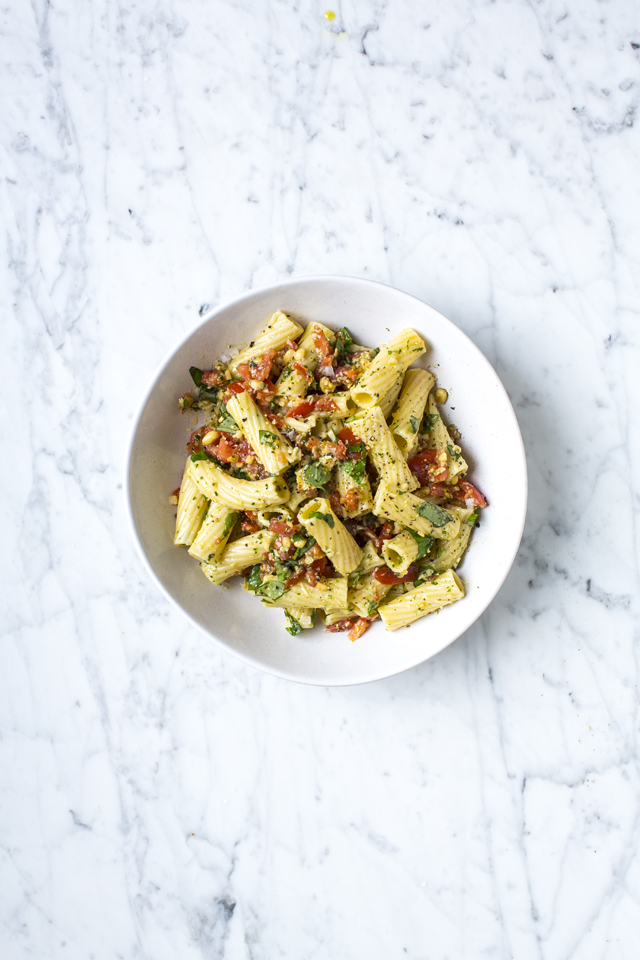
(324, 474)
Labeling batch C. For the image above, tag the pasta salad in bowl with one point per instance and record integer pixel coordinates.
(327, 494)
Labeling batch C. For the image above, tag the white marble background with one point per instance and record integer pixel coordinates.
(158, 799)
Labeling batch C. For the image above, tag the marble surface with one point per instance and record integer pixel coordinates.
(158, 799)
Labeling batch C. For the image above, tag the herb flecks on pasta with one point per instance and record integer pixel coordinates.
(324, 474)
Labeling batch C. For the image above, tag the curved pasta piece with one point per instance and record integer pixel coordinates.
(402, 507)
(416, 603)
(238, 556)
(332, 535)
(383, 450)
(400, 552)
(273, 336)
(411, 403)
(394, 358)
(271, 448)
(214, 532)
(326, 595)
(192, 506)
(218, 486)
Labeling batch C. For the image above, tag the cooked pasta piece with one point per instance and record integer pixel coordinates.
(297, 619)
(416, 603)
(276, 333)
(365, 596)
(410, 511)
(331, 534)
(267, 514)
(217, 485)
(439, 438)
(383, 450)
(387, 402)
(326, 595)
(192, 505)
(370, 559)
(410, 409)
(393, 359)
(271, 448)
(214, 532)
(238, 556)
(400, 552)
(296, 376)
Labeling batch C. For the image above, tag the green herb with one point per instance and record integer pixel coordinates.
(268, 439)
(283, 572)
(196, 375)
(328, 519)
(355, 447)
(254, 579)
(202, 456)
(424, 543)
(230, 519)
(355, 469)
(434, 514)
(425, 573)
(371, 608)
(300, 552)
(343, 340)
(428, 422)
(414, 423)
(292, 627)
(185, 402)
(272, 589)
(316, 475)
(241, 474)
(356, 580)
(453, 453)
(226, 421)
(472, 519)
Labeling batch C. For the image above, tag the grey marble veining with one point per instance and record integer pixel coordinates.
(159, 799)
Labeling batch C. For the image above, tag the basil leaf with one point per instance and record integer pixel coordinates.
(273, 589)
(371, 608)
(282, 571)
(328, 519)
(355, 469)
(203, 456)
(414, 423)
(230, 519)
(428, 422)
(300, 552)
(424, 543)
(355, 447)
(196, 375)
(453, 453)
(425, 573)
(434, 514)
(344, 335)
(226, 421)
(292, 627)
(316, 475)
(254, 580)
(472, 519)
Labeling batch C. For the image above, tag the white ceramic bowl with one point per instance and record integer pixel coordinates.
(491, 443)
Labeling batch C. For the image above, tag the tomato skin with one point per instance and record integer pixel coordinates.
(351, 499)
(312, 404)
(322, 345)
(430, 466)
(301, 370)
(282, 528)
(472, 493)
(341, 625)
(237, 387)
(302, 409)
(213, 378)
(348, 436)
(389, 578)
(249, 526)
(359, 628)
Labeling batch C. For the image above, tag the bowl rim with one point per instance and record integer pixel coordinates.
(127, 492)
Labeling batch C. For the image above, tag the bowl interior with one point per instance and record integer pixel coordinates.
(491, 442)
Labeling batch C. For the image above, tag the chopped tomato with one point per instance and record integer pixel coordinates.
(301, 370)
(388, 577)
(193, 443)
(302, 409)
(213, 378)
(346, 375)
(341, 625)
(237, 387)
(430, 466)
(249, 526)
(472, 493)
(226, 448)
(336, 503)
(283, 528)
(361, 625)
(348, 436)
(176, 492)
(296, 578)
(322, 345)
(258, 368)
(351, 499)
